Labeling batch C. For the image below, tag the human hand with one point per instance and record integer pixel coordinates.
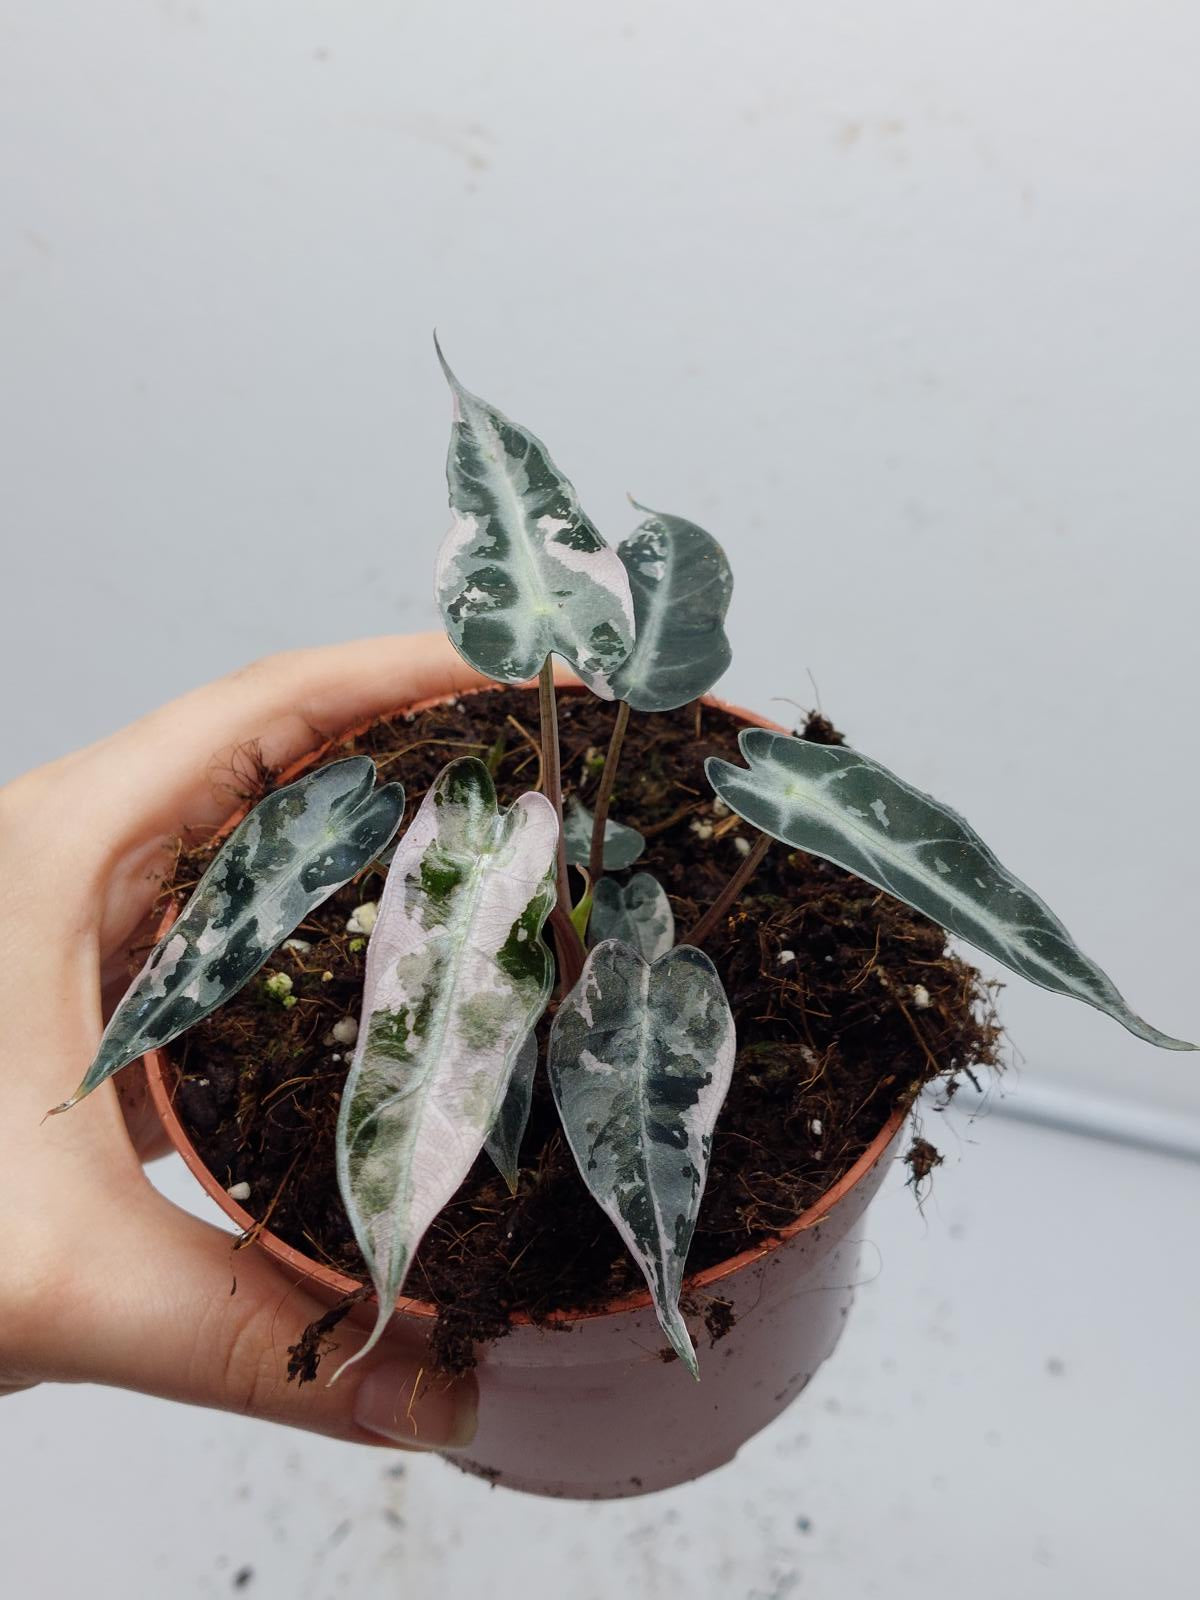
(102, 1280)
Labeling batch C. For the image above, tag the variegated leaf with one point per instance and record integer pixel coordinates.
(523, 572)
(681, 585)
(289, 854)
(640, 1060)
(637, 913)
(622, 845)
(457, 976)
(504, 1141)
(835, 803)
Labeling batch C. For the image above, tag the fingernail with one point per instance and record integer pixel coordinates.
(436, 1414)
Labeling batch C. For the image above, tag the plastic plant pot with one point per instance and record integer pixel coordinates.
(587, 1406)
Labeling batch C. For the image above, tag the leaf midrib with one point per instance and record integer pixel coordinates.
(643, 1101)
(528, 553)
(435, 1035)
(958, 900)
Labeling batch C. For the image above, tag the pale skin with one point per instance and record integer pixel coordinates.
(102, 1280)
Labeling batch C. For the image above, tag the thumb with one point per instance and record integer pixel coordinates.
(153, 1311)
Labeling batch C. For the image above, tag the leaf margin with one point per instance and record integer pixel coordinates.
(757, 747)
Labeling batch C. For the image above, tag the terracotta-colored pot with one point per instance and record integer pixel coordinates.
(587, 1407)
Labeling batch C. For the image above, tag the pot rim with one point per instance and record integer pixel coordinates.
(154, 1063)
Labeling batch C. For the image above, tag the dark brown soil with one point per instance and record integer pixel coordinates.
(845, 1002)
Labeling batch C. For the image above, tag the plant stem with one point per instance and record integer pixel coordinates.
(569, 945)
(604, 794)
(552, 771)
(728, 894)
(568, 942)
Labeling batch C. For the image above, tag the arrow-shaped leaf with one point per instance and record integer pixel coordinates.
(835, 803)
(637, 913)
(622, 845)
(523, 572)
(457, 976)
(504, 1141)
(289, 854)
(681, 584)
(640, 1060)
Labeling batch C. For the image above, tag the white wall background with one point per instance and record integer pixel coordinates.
(897, 296)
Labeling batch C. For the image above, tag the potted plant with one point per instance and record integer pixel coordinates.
(494, 1061)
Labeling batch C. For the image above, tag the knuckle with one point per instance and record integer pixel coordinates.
(247, 1361)
(266, 668)
(35, 1296)
(32, 808)
(20, 800)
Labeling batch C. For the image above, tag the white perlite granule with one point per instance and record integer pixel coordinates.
(362, 919)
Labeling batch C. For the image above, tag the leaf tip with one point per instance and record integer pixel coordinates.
(717, 770)
(505, 1161)
(64, 1105)
(582, 912)
(349, 1362)
(447, 370)
(676, 1331)
(381, 1322)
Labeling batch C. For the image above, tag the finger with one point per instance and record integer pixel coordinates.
(286, 704)
(154, 1312)
(175, 784)
(165, 770)
(142, 1121)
